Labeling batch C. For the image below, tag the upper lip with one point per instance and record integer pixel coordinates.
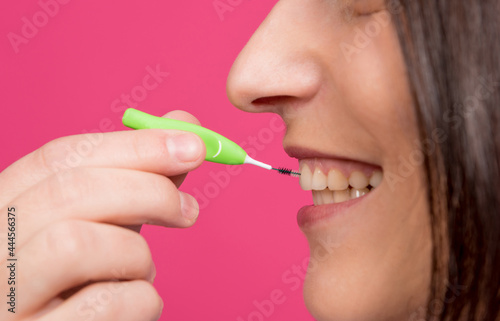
(304, 152)
(301, 152)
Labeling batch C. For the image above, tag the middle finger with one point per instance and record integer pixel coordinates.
(108, 195)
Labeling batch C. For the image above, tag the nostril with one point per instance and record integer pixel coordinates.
(273, 100)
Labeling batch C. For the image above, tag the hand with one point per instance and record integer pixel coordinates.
(79, 254)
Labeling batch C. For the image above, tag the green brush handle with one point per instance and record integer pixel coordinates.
(219, 148)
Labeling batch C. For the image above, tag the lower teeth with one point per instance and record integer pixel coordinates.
(327, 196)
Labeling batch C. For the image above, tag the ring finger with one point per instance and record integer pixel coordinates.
(78, 252)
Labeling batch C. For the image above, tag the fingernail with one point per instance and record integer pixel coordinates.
(152, 273)
(185, 147)
(189, 206)
(161, 310)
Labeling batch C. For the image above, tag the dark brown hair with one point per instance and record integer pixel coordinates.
(452, 53)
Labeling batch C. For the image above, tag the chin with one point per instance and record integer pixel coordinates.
(345, 286)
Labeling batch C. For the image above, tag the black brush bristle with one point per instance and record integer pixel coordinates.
(286, 171)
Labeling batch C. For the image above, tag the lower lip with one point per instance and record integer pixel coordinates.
(313, 215)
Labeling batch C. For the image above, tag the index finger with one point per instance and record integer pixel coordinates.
(166, 152)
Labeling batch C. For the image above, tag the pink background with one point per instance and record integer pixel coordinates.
(64, 81)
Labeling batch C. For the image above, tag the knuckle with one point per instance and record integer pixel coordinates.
(72, 186)
(184, 116)
(134, 245)
(150, 299)
(134, 298)
(102, 300)
(164, 200)
(149, 146)
(162, 192)
(122, 300)
(53, 154)
(138, 147)
(68, 239)
(67, 152)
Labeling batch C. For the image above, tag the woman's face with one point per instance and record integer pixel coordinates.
(334, 71)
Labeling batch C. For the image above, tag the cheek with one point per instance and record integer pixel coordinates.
(375, 86)
(384, 259)
(378, 94)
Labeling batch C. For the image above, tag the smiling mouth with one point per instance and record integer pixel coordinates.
(335, 180)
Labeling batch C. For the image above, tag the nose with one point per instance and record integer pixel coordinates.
(278, 67)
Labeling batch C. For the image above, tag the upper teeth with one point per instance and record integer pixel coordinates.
(335, 187)
(337, 180)
(358, 180)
